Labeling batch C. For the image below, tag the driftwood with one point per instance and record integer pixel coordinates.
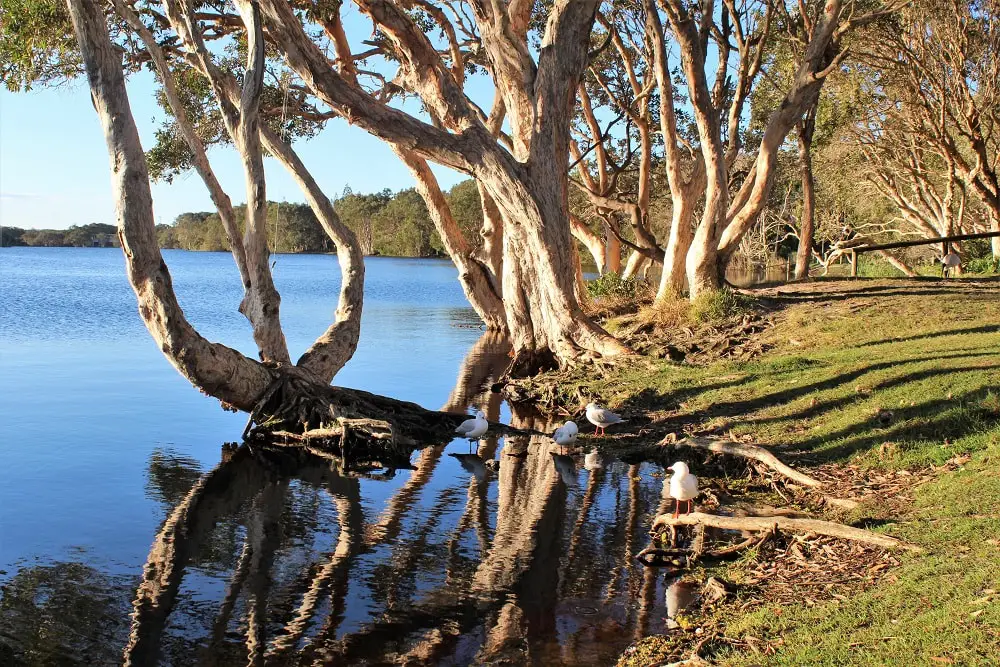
(748, 452)
(762, 455)
(757, 523)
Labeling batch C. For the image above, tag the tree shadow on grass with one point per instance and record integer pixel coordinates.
(995, 328)
(938, 421)
(826, 406)
(911, 287)
(737, 408)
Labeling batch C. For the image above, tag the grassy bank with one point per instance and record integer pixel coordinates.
(894, 387)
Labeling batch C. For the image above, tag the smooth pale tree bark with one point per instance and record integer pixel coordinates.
(806, 226)
(702, 263)
(594, 243)
(262, 303)
(217, 369)
(684, 191)
(199, 157)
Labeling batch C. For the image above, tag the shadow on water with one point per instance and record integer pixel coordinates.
(513, 552)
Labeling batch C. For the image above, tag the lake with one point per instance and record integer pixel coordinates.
(130, 528)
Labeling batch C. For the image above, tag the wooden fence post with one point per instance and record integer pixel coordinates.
(854, 264)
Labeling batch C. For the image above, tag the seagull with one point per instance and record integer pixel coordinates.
(683, 487)
(565, 467)
(601, 417)
(473, 429)
(565, 435)
(592, 461)
(473, 464)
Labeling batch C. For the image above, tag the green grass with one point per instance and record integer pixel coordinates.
(929, 353)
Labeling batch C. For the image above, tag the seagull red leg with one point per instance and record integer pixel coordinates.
(677, 508)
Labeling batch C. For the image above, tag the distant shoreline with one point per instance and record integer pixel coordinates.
(283, 252)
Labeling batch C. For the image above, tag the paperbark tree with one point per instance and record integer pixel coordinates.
(527, 185)
(338, 344)
(938, 86)
(276, 395)
(726, 220)
(733, 30)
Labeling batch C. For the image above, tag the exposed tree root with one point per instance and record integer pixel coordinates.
(350, 422)
(762, 455)
(756, 523)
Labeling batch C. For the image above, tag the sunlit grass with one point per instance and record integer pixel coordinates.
(890, 379)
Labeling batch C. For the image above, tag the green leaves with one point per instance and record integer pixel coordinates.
(37, 44)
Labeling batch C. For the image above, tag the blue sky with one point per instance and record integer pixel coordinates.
(54, 165)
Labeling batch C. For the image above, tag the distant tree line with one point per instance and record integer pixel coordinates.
(386, 223)
(78, 236)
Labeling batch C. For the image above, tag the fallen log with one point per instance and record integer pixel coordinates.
(758, 523)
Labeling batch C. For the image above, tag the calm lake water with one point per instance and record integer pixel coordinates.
(128, 529)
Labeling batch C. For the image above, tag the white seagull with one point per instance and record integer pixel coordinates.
(683, 487)
(601, 417)
(473, 429)
(565, 435)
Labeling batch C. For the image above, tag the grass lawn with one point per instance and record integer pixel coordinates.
(876, 377)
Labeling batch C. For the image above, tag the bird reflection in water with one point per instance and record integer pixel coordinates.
(285, 558)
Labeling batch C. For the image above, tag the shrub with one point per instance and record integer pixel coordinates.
(720, 305)
(612, 285)
(982, 265)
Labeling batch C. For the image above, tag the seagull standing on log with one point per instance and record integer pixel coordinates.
(683, 486)
(473, 429)
(601, 418)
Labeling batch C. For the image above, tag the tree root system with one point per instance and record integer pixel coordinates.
(349, 423)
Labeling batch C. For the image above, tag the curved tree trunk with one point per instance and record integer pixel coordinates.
(262, 303)
(335, 347)
(673, 277)
(199, 157)
(544, 316)
(219, 370)
(806, 231)
(474, 277)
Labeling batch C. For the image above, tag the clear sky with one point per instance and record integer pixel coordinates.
(54, 164)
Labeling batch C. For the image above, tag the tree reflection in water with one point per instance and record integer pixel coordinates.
(283, 558)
